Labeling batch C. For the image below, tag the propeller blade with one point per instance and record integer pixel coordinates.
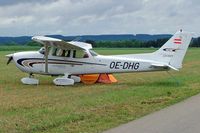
(9, 59)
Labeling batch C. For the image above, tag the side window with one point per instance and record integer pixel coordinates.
(53, 51)
(59, 52)
(80, 54)
(68, 52)
(74, 53)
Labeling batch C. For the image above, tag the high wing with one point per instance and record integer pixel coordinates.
(53, 42)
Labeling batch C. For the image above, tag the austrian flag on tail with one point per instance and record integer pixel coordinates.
(177, 40)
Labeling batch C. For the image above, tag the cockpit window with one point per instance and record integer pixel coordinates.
(68, 53)
(42, 50)
(53, 51)
(59, 52)
(93, 53)
(80, 54)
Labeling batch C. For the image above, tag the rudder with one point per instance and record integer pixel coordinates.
(174, 50)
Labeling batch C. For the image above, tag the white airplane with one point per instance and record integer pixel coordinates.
(70, 59)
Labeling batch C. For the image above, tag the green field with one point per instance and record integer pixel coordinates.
(90, 108)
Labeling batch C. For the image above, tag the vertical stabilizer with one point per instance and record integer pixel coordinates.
(174, 50)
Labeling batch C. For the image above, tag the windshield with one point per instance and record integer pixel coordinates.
(42, 50)
(93, 53)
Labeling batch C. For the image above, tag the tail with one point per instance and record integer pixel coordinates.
(173, 51)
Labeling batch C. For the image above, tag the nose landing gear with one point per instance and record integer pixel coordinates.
(30, 80)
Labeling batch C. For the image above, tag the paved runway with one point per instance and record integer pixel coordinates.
(183, 117)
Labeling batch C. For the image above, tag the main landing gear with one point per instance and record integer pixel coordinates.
(62, 81)
(30, 80)
(66, 80)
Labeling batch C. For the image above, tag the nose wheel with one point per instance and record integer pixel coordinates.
(30, 80)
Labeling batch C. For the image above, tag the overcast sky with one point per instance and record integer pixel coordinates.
(83, 17)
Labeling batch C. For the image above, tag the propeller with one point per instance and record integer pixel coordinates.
(10, 58)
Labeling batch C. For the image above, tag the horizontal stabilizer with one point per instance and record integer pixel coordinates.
(173, 68)
(164, 66)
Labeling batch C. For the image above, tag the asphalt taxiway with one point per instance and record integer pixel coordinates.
(183, 117)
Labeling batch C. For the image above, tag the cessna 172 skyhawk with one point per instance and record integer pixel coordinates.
(70, 59)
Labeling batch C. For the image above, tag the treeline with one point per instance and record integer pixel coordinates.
(137, 44)
(122, 44)
(31, 43)
(195, 42)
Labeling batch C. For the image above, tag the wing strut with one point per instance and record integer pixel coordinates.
(46, 57)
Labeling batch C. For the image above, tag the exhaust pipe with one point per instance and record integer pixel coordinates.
(10, 58)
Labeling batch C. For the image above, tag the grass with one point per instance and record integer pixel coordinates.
(91, 108)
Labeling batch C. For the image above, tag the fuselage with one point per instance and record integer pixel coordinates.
(34, 62)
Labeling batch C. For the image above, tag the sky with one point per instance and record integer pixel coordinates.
(89, 17)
